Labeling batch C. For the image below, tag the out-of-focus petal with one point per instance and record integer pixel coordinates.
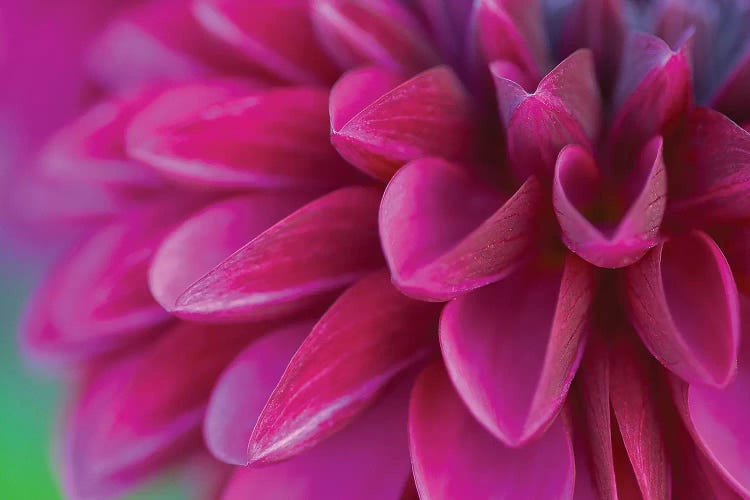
(711, 162)
(454, 457)
(382, 32)
(298, 263)
(564, 109)
(577, 180)
(428, 115)
(275, 35)
(369, 460)
(437, 245)
(371, 334)
(243, 390)
(448, 21)
(731, 99)
(683, 303)
(512, 348)
(216, 136)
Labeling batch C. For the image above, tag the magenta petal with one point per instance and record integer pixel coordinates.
(368, 336)
(382, 32)
(448, 21)
(298, 263)
(534, 321)
(731, 99)
(634, 405)
(429, 115)
(712, 168)
(564, 109)
(437, 245)
(636, 232)
(368, 460)
(263, 138)
(207, 238)
(243, 389)
(683, 302)
(454, 457)
(122, 429)
(275, 35)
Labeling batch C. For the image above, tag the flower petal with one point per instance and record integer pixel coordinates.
(298, 263)
(428, 115)
(275, 35)
(577, 176)
(683, 303)
(512, 348)
(564, 109)
(449, 22)
(712, 168)
(367, 337)
(264, 138)
(243, 389)
(437, 245)
(731, 99)
(369, 460)
(381, 32)
(454, 457)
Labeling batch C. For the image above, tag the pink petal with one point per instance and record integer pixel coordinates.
(368, 337)
(275, 35)
(712, 174)
(381, 32)
(122, 429)
(429, 115)
(296, 264)
(437, 245)
(564, 109)
(683, 302)
(577, 176)
(634, 402)
(454, 457)
(535, 321)
(513, 30)
(263, 138)
(369, 460)
(652, 92)
(731, 99)
(243, 389)
(207, 238)
(734, 240)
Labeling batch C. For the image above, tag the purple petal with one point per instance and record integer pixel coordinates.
(449, 23)
(381, 32)
(275, 35)
(683, 302)
(536, 321)
(369, 460)
(429, 115)
(367, 337)
(243, 390)
(564, 109)
(298, 263)
(712, 174)
(454, 457)
(577, 177)
(731, 99)
(437, 245)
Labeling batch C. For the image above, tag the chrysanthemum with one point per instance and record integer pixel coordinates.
(381, 248)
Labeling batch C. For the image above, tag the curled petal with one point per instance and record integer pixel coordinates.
(368, 460)
(683, 303)
(512, 348)
(271, 138)
(275, 35)
(731, 99)
(382, 32)
(564, 109)
(429, 115)
(437, 245)
(243, 389)
(296, 264)
(712, 168)
(204, 240)
(454, 457)
(576, 177)
(365, 339)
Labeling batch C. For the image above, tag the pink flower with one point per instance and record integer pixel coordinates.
(378, 249)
